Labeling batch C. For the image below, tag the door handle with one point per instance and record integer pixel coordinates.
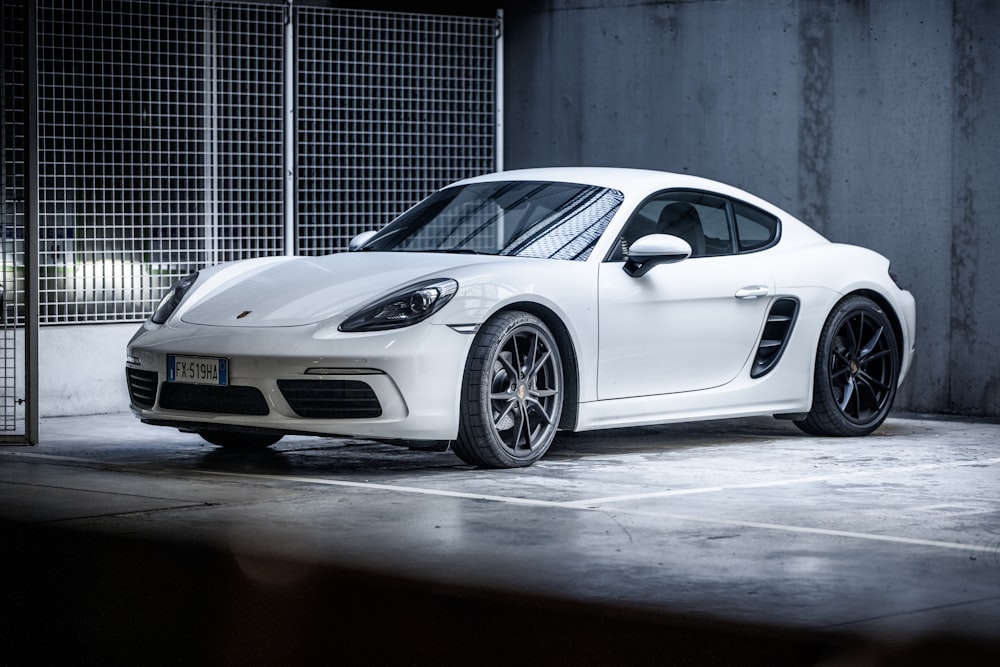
(752, 291)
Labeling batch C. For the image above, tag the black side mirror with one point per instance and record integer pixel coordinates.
(654, 249)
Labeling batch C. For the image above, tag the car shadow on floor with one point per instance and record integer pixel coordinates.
(329, 455)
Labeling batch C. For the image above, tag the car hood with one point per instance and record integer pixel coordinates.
(295, 291)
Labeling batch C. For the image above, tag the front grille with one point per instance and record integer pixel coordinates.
(232, 400)
(331, 399)
(141, 387)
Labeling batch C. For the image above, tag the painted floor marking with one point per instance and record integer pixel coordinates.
(513, 500)
(599, 504)
(782, 482)
(990, 548)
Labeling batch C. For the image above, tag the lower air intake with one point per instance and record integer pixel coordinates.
(331, 399)
(232, 400)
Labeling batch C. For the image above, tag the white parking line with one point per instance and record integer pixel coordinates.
(595, 506)
(780, 482)
(512, 500)
(602, 504)
(982, 548)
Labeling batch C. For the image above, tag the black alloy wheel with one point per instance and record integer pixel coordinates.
(856, 373)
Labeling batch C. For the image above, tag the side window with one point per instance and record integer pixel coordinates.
(698, 218)
(754, 228)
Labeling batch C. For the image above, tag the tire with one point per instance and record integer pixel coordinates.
(512, 393)
(238, 440)
(856, 373)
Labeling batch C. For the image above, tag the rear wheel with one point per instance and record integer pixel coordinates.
(237, 440)
(512, 393)
(857, 370)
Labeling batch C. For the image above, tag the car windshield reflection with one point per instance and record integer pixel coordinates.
(522, 219)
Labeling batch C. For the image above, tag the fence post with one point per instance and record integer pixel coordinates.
(31, 223)
(288, 118)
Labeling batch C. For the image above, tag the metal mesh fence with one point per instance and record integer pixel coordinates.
(162, 140)
(157, 148)
(390, 107)
(248, 141)
(12, 186)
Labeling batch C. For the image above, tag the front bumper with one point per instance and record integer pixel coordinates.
(412, 375)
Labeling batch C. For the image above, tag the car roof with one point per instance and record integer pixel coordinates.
(631, 182)
(637, 184)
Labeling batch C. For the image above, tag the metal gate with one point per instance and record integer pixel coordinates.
(390, 107)
(17, 420)
(176, 134)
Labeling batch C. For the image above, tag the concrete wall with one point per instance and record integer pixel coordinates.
(81, 369)
(873, 120)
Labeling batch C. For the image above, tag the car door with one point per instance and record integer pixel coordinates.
(685, 326)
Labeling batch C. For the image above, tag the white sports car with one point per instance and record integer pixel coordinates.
(506, 307)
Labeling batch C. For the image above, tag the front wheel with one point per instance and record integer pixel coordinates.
(856, 373)
(239, 441)
(512, 393)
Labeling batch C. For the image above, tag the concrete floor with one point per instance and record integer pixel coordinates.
(729, 542)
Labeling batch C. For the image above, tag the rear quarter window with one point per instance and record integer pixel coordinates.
(755, 229)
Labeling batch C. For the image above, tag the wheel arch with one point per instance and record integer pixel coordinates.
(567, 351)
(890, 312)
(827, 415)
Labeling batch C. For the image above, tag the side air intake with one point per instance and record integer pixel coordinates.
(777, 331)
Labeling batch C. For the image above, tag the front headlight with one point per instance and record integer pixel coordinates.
(173, 298)
(407, 306)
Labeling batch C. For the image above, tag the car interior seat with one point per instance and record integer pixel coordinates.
(681, 219)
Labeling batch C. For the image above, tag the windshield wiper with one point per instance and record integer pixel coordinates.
(457, 251)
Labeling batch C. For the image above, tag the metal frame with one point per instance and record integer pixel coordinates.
(226, 130)
(31, 245)
(30, 432)
(165, 135)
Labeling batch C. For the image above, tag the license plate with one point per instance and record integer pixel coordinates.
(197, 370)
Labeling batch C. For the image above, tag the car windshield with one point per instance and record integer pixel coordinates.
(518, 218)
